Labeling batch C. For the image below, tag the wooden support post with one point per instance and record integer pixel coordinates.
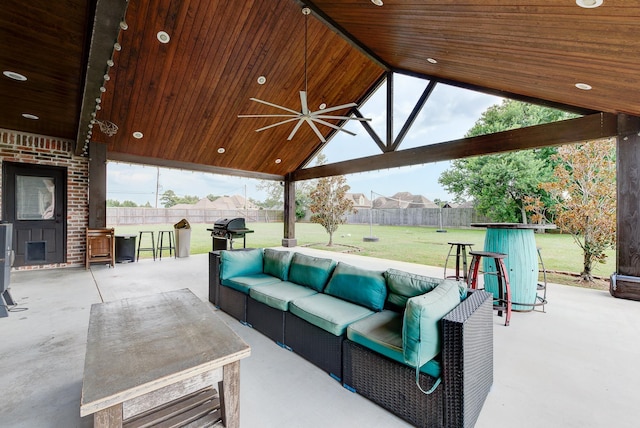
(231, 395)
(109, 417)
(97, 185)
(625, 283)
(289, 239)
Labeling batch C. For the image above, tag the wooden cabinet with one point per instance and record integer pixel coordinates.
(100, 246)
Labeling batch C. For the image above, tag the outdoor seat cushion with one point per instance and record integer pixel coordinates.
(240, 263)
(312, 272)
(382, 333)
(327, 312)
(246, 282)
(404, 285)
(421, 340)
(279, 294)
(360, 286)
(276, 263)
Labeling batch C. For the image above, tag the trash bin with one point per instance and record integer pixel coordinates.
(183, 238)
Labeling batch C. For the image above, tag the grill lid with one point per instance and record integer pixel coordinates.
(230, 223)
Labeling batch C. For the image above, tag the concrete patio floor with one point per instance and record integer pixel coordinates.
(577, 365)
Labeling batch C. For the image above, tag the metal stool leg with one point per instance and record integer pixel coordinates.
(141, 248)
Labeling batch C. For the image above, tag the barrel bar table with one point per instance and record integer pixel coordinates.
(517, 241)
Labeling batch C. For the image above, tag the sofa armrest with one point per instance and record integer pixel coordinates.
(467, 358)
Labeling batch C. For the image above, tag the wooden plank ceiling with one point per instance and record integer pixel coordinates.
(184, 96)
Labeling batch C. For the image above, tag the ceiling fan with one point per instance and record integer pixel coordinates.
(306, 115)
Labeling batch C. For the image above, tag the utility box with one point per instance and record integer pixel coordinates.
(183, 238)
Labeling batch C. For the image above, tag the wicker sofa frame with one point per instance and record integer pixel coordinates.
(466, 358)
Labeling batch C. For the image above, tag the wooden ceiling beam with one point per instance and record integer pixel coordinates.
(189, 166)
(105, 30)
(592, 127)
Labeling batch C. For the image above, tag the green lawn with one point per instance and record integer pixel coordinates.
(406, 243)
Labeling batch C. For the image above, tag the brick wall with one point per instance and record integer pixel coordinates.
(41, 150)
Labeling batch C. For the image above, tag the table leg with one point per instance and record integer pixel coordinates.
(109, 417)
(231, 395)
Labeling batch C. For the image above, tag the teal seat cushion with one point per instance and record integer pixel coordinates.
(276, 263)
(360, 286)
(245, 282)
(382, 333)
(327, 312)
(240, 263)
(421, 339)
(404, 285)
(312, 272)
(279, 294)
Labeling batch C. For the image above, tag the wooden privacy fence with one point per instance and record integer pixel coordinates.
(451, 217)
(120, 216)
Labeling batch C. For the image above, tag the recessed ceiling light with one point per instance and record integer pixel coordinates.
(278, 160)
(163, 37)
(432, 60)
(15, 76)
(262, 80)
(377, 2)
(583, 86)
(110, 62)
(124, 25)
(221, 150)
(322, 106)
(138, 135)
(589, 4)
(117, 46)
(30, 116)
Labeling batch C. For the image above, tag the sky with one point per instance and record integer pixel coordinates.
(448, 114)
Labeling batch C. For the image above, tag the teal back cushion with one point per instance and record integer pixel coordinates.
(312, 272)
(240, 263)
(421, 339)
(276, 263)
(404, 285)
(360, 286)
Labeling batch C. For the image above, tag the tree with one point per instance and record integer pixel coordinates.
(169, 199)
(585, 191)
(500, 183)
(212, 197)
(329, 204)
(128, 203)
(113, 203)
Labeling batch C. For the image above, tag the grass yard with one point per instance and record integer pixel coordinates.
(423, 245)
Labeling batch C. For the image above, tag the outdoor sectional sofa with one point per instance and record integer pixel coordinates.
(369, 329)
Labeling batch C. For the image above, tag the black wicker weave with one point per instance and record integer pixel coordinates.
(467, 371)
(267, 320)
(315, 344)
(233, 302)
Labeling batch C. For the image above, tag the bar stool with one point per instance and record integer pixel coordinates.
(162, 246)
(151, 248)
(503, 302)
(541, 295)
(461, 253)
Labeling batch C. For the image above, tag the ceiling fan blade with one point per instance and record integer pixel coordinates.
(274, 105)
(295, 129)
(315, 129)
(324, 116)
(276, 124)
(331, 125)
(303, 102)
(329, 109)
(269, 115)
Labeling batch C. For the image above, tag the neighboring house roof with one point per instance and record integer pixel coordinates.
(403, 200)
(359, 200)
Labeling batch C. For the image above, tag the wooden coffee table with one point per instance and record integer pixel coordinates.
(145, 352)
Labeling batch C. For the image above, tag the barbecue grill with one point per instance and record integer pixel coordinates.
(225, 230)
